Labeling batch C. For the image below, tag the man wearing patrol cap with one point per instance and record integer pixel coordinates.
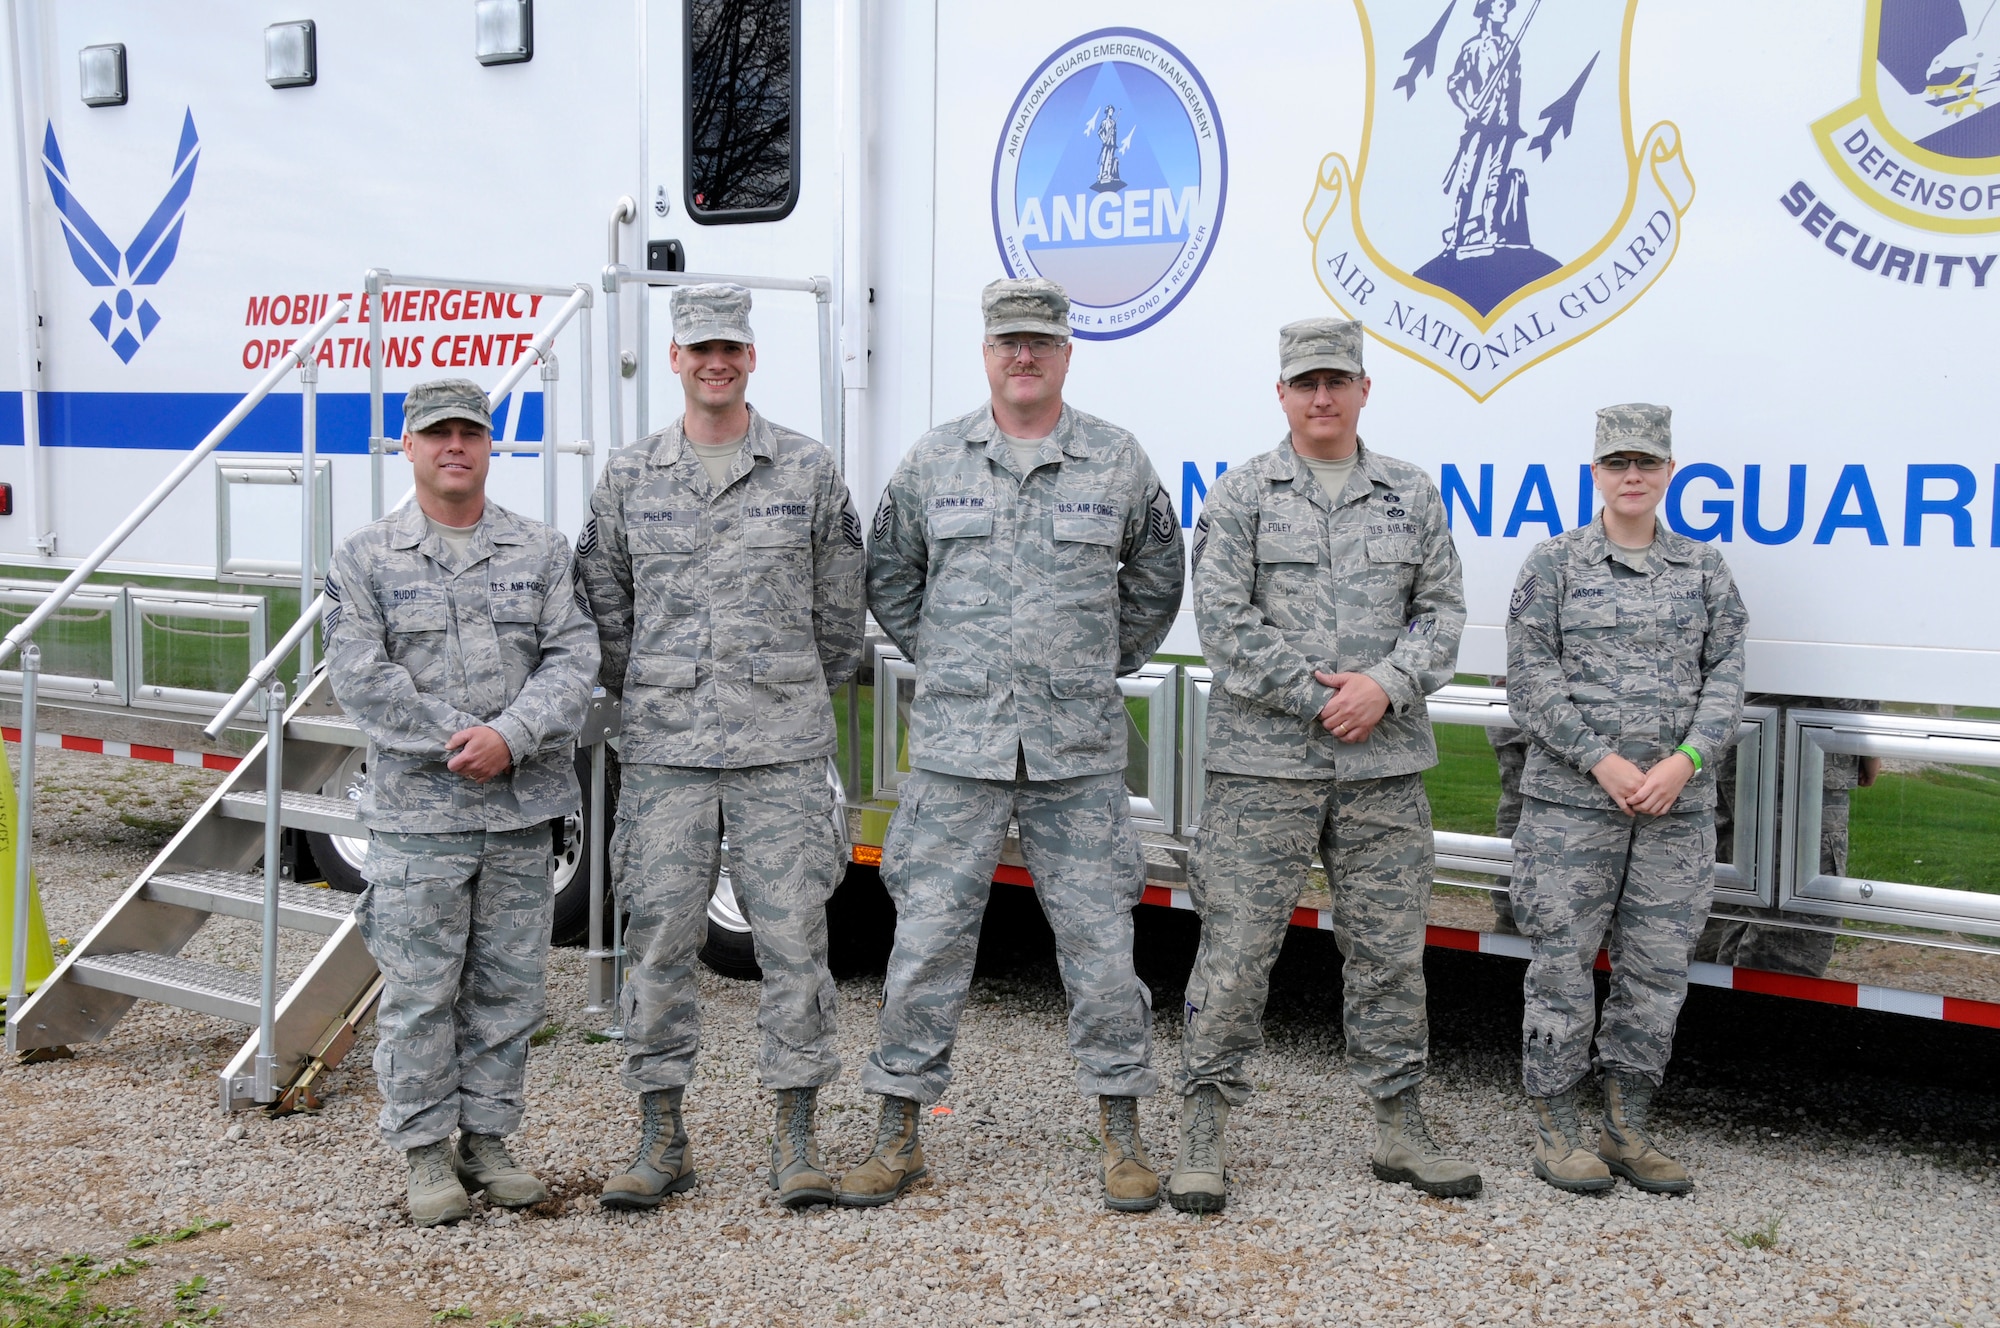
(723, 561)
(458, 644)
(1328, 596)
(1023, 557)
(1625, 670)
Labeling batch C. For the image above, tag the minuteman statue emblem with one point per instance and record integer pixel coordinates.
(1499, 210)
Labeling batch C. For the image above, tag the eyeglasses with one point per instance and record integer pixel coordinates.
(1314, 384)
(1039, 348)
(1617, 464)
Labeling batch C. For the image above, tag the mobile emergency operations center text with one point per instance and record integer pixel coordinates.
(238, 234)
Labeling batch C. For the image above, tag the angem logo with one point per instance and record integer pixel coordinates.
(120, 320)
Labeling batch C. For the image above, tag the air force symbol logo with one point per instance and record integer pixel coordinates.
(1499, 211)
(1922, 142)
(122, 320)
(1109, 178)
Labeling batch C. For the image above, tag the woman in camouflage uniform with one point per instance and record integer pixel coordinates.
(1625, 670)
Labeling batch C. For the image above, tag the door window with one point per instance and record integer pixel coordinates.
(742, 112)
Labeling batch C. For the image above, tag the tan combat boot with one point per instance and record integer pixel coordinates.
(664, 1164)
(483, 1163)
(1625, 1145)
(436, 1197)
(1198, 1182)
(1131, 1184)
(1560, 1157)
(896, 1164)
(795, 1170)
(1405, 1152)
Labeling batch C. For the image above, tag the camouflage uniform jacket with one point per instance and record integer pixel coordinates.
(1633, 651)
(1021, 599)
(727, 615)
(420, 645)
(1289, 579)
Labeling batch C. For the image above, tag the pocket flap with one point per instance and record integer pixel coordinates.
(660, 537)
(1585, 613)
(764, 533)
(1287, 548)
(660, 671)
(515, 607)
(419, 608)
(953, 679)
(960, 523)
(786, 666)
(1087, 528)
(1394, 549)
(1082, 684)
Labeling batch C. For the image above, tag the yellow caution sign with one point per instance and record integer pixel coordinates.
(41, 955)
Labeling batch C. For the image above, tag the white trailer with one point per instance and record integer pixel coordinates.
(1536, 207)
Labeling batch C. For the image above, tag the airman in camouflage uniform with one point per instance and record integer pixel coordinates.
(723, 559)
(457, 642)
(1024, 556)
(1327, 618)
(1625, 669)
(1781, 949)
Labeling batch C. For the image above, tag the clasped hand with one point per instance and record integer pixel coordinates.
(1356, 706)
(1651, 792)
(478, 753)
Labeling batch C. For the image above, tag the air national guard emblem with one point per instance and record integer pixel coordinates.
(1109, 179)
(1500, 210)
(1922, 141)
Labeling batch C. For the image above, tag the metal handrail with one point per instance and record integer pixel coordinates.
(265, 668)
(298, 356)
(535, 353)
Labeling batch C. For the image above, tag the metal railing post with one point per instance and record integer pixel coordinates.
(586, 415)
(600, 960)
(24, 846)
(550, 372)
(373, 299)
(267, 994)
(614, 365)
(309, 533)
(829, 378)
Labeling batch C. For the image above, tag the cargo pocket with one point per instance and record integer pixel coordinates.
(785, 667)
(1084, 711)
(660, 671)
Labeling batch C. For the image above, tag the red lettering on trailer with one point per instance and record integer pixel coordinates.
(272, 349)
(534, 305)
(429, 304)
(512, 311)
(458, 350)
(325, 355)
(259, 311)
(302, 309)
(404, 351)
(253, 354)
(448, 305)
(482, 350)
(493, 306)
(280, 307)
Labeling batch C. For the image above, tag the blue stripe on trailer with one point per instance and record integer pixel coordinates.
(177, 421)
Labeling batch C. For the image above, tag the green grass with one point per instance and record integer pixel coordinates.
(1936, 827)
(1464, 786)
(63, 1295)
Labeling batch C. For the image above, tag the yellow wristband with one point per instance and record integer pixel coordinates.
(1692, 755)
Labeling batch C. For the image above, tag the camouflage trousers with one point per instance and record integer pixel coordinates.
(783, 863)
(1586, 879)
(459, 926)
(1250, 863)
(937, 863)
(1780, 949)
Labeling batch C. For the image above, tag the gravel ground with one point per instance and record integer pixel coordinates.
(1846, 1160)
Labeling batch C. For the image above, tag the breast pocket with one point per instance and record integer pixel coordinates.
(417, 618)
(1086, 549)
(1287, 570)
(516, 626)
(961, 542)
(667, 573)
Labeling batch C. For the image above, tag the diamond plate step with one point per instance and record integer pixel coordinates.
(241, 895)
(333, 730)
(301, 811)
(226, 993)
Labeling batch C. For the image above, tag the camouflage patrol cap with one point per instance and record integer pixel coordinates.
(1025, 304)
(1318, 343)
(1636, 427)
(444, 399)
(719, 311)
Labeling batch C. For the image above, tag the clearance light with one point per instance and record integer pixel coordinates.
(101, 74)
(291, 55)
(505, 31)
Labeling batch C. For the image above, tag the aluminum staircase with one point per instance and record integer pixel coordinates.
(211, 868)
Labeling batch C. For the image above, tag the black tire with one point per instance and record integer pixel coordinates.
(338, 858)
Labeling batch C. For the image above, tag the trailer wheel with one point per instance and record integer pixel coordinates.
(339, 858)
(729, 951)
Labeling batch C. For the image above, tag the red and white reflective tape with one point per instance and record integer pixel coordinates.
(1827, 991)
(138, 751)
